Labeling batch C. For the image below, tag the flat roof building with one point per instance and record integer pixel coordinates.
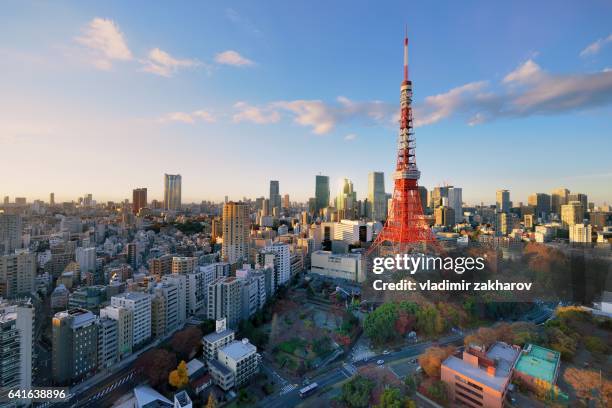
(479, 378)
(537, 366)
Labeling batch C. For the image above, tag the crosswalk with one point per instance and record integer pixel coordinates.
(113, 386)
(288, 388)
(348, 370)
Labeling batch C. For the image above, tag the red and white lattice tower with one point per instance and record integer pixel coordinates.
(406, 229)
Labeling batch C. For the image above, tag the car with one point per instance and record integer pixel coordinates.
(413, 361)
(386, 352)
(380, 362)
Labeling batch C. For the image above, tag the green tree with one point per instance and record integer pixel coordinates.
(356, 393)
(410, 383)
(391, 398)
(379, 326)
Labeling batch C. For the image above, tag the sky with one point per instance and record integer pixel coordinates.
(104, 97)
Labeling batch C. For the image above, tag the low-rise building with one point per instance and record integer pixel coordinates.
(344, 266)
(221, 337)
(537, 368)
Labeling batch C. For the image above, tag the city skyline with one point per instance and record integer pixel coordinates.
(103, 94)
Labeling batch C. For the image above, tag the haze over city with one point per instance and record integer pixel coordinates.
(102, 98)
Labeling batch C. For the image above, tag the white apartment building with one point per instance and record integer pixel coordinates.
(140, 305)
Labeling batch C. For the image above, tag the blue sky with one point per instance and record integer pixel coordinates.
(106, 97)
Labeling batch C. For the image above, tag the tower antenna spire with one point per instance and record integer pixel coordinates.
(406, 55)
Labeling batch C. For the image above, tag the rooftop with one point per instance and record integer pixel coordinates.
(216, 365)
(239, 349)
(504, 357)
(214, 336)
(538, 362)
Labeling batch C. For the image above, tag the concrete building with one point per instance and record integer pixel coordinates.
(541, 203)
(108, 352)
(17, 274)
(172, 191)
(572, 213)
(10, 232)
(455, 201)
(221, 337)
(165, 313)
(16, 329)
(75, 345)
(180, 281)
(140, 305)
(282, 262)
(581, 233)
(351, 231)
(225, 301)
(139, 199)
(502, 201)
(160, 266)
(343, 266)
(444, 216)
(242, 360)
(558, 198)
(479, 378)
(125, 327)
(184, 264)
(86, 258)
(377, 198)
(236, 224)
(195, 292)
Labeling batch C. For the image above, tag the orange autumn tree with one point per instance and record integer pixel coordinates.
(180, 377)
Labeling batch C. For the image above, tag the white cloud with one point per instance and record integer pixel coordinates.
(161, 63)
(315, 114)
(595, 47)
(350, 137)
(529, 71)
(441, 106)
(258, 115)
(105, 42)
(231, 57)
(189, 118)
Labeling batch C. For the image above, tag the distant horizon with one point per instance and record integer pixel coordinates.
(93, 100)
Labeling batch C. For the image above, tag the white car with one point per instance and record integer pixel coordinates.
(380, 362)
(386, 352)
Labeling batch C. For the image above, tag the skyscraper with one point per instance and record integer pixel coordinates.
(572, 213)
(377, 196)
(455, 201)
(579, 197)
(321, 193)
(172, 191)
(558, 198)
(541, 202)
(502, 201)
(52, 199)
(235, 226)
(346, 200)
(139, 199)
(275, 197)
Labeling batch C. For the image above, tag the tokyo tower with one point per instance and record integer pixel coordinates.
(406, 229)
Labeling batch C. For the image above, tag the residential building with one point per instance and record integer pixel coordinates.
(16, 329)
(140, 305)
(184, 264)
(125, 327)
(241, 358)
(10, 232)
(108, 352)
(180, 281)
(225, 301)
(581, 233)
(502, 201)
(17, 274)
(282, 262)
(221, 337)
(236, 224)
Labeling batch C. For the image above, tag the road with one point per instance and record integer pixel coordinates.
(348, 369)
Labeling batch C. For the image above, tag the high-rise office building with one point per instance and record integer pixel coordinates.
(17, 274)
(321, 193)
(172, 192)
(139, 199)
(286, 201)
(52, 199)
(423, 195)
(558, 198)
(275, 197)
(444, 216)
(572, 213)
(10, 232)
(438, 194)
(502, 201)
(541, 202)
(236, 226)
(377, 197)
(75, 345)
(582, 198)
(455, 201)
(346, 200)
(16, 328)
